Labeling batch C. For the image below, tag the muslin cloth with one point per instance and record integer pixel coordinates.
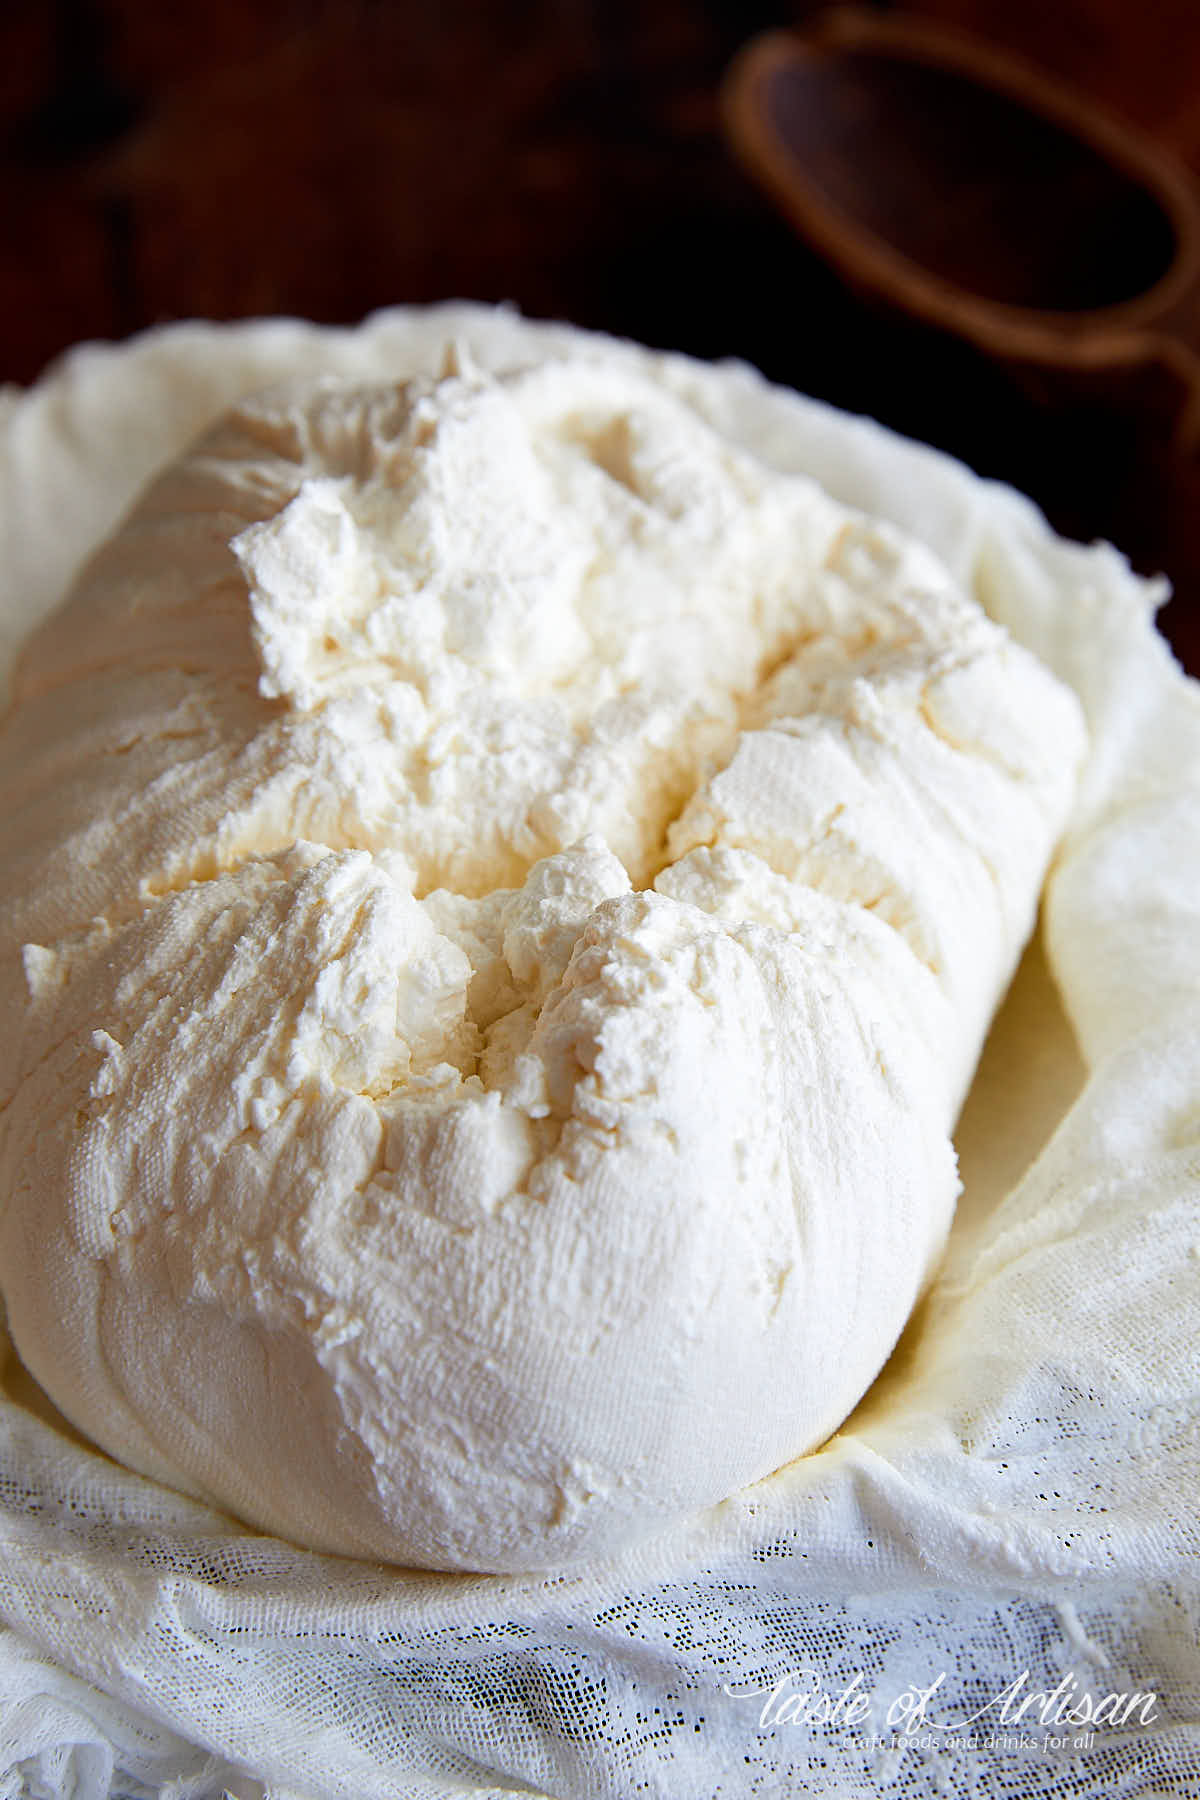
(987, 1584)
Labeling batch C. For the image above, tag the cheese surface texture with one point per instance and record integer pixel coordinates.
(501, 896)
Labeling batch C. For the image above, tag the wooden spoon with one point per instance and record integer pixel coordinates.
(949, 179)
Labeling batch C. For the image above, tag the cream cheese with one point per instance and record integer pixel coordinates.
(501, 895)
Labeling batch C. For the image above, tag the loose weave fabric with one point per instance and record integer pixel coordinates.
(1008, 1524)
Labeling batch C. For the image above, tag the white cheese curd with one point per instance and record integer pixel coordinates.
(501, 896)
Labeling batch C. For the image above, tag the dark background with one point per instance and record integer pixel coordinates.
(299, 156)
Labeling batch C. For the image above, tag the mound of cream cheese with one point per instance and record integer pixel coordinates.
(501, 896)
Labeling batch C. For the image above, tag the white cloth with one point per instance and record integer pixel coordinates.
(1015, 1502)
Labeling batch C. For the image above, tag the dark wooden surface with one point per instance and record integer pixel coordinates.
(323, 157)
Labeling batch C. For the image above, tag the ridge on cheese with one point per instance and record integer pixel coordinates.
(501, 896)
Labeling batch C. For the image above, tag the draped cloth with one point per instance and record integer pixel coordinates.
(987, 1583)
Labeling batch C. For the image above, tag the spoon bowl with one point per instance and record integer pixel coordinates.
(953, 181)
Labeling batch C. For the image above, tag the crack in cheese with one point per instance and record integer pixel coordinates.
(501, 896)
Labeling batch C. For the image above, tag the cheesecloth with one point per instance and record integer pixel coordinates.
(1009, 1521)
